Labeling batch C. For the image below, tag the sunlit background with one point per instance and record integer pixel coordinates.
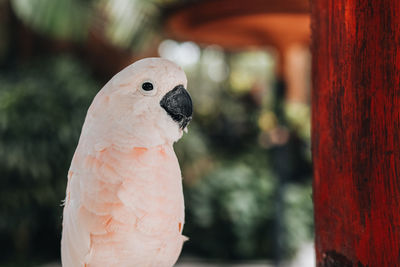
(246, 159)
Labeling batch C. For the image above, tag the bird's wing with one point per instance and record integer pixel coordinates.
(102, 206)
(75, 242)
(88, 204)
(93, 210)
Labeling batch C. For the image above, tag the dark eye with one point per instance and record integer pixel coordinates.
(147, 86)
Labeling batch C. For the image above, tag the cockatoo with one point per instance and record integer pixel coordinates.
(124, 204)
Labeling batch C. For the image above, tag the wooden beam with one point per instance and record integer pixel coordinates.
(356, 126)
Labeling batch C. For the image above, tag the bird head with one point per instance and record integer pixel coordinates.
(146, 104)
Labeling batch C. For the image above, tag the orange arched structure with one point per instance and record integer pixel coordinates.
(237, 25)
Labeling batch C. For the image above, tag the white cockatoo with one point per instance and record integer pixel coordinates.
(124, 202)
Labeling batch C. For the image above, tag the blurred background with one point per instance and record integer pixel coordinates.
(246, 160)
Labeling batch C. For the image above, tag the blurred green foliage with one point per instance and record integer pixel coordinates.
(245, 197)
(230, 214)
(64, 19)
(129, 24)
(42, 107)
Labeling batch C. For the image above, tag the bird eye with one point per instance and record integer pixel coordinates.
(147, 86)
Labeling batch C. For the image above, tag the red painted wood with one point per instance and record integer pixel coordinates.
(356, 126)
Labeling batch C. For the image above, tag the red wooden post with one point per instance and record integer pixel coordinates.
(356, 126)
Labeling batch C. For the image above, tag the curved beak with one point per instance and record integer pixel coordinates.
(178, 104)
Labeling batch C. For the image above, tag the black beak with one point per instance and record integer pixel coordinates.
(178, 104)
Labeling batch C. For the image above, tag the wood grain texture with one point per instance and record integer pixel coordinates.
(356, 117)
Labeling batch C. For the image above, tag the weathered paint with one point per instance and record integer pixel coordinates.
(356, 124)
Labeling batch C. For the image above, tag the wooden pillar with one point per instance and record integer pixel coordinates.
(356, 126)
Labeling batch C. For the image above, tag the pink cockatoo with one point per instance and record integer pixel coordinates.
(124, 203)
